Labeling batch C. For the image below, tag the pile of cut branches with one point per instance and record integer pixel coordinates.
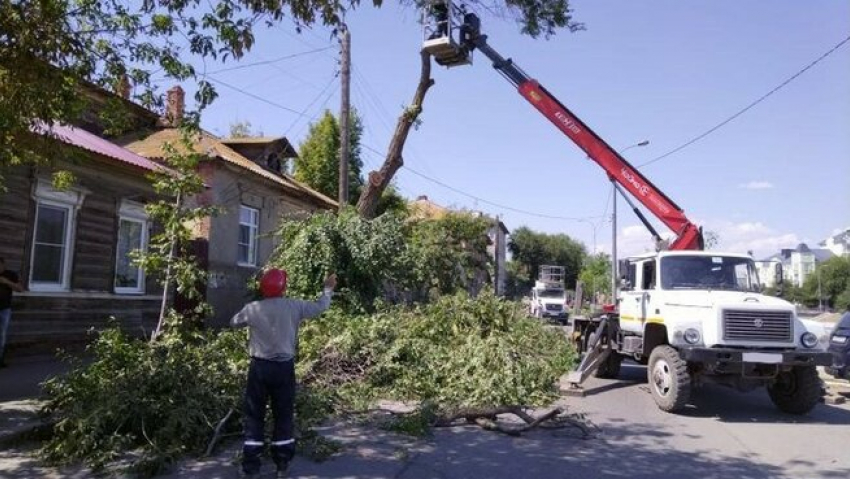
(467, 358)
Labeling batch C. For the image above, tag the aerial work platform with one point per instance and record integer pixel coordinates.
(443, 27)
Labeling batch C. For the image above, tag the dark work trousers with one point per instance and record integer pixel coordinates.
(275, 380)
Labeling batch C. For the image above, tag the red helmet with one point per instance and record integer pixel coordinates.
(273, 283)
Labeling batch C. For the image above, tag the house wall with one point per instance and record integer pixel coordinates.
(227, 290)
(44, 320)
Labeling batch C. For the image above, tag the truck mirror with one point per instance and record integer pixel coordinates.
(779, 278)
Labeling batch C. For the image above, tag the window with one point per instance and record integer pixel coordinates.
(648, 277)
(132, 236)
(249, 224)
(52, 237)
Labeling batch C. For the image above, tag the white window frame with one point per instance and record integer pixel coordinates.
(253, 245)
(70, 200)
(133, 212)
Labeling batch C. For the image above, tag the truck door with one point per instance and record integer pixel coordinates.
(631, 298)
(649, 280)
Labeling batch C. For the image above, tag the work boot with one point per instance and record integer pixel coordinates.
(282, 470)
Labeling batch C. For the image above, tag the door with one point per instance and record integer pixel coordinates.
(631, 299)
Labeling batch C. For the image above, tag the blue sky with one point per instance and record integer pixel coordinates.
(664, 71)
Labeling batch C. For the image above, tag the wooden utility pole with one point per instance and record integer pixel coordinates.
(344, 115)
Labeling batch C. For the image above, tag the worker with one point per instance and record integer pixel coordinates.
(440, 13)
(272, 338)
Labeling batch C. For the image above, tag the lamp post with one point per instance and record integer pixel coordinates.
(614, 282)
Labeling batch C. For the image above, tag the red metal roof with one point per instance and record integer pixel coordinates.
(87, 141)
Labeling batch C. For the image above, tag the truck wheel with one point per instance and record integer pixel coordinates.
(796, 391)
(610, 368)
(668, 378)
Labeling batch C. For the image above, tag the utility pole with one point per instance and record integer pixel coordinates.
(344, 114)
(613, 243)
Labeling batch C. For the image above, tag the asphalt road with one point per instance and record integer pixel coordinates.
(722, 434)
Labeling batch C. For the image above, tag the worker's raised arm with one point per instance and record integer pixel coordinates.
(311, 309)
(240, 319)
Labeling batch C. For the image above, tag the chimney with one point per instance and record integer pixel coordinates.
(175, 104)
(123, 87)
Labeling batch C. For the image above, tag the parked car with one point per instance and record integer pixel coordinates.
(839, 346)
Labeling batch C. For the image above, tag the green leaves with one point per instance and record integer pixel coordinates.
(317, 164)
(457, 352)
(161, 401)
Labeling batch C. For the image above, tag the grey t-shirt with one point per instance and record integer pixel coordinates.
(273, 324)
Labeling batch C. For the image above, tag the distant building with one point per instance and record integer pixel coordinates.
(797, 264)
(839, 244)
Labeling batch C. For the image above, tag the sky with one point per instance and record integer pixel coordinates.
(662, 71)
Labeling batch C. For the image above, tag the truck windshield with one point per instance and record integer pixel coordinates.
(552, 293)
(709, 272)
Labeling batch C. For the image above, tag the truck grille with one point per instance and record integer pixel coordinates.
(553, 307)
(742, 325)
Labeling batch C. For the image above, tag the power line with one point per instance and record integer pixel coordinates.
(256, 97)
(315, 99)
(482, 200)
(268, 62)
(748, 107)
(491, 203)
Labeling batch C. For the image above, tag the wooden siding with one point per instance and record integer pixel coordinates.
(15, 212)
(94, 248)
(42, 322)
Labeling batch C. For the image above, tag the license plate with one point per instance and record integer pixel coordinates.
(763, 358)
(839, 339)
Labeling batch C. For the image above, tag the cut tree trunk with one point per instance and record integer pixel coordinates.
(378, 181)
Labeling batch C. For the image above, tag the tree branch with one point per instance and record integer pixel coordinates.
(379, 180)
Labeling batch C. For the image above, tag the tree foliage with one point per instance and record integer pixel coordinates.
(162, 400)
(317, 164)
(388, 258)
(532, 249)
(831, 282)
(457, 352)
(596, 274)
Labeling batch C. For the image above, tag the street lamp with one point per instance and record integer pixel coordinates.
(614, 282)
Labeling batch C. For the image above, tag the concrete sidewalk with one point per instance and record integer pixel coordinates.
(20, 394)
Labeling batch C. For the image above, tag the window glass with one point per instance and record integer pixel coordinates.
(50, 248)
(248, 230)
(131, 237)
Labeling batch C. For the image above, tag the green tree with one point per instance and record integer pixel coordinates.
(532, 249)
(830, 281)
(243, 129)
(596, 274)
(317, 164)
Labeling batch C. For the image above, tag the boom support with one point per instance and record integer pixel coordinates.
(688, 235)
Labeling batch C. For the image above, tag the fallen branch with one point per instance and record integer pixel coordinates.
(217, 433)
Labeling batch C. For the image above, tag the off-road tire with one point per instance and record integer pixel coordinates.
(610, 368)
(669, 381)
(797, 391)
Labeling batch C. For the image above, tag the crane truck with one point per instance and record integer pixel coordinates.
(691, 316)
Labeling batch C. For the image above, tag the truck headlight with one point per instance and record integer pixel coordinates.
(692, 336)
(809, 340)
